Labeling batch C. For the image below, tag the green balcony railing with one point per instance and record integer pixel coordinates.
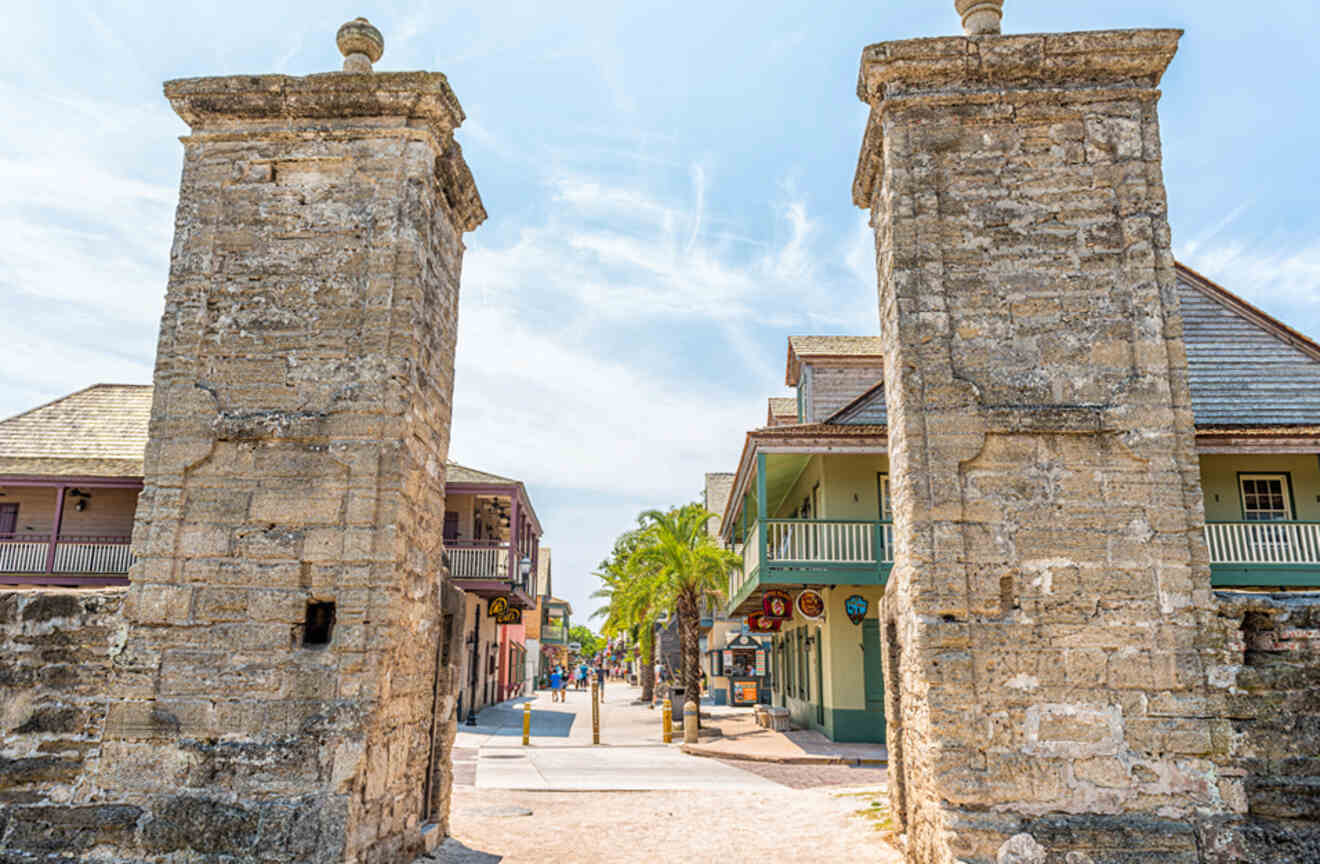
(813, 542)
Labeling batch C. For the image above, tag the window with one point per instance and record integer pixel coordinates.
(882, 492)
(318, 623)
(8, 519)
(1265, 497)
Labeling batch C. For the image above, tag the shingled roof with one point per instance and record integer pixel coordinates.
(843, 348)
(455, 473)
(783, 409)
(97, 432)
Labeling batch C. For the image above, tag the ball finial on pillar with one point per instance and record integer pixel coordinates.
(980, 17)
(361, 44)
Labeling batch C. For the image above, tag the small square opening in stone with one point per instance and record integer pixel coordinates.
(319, 624)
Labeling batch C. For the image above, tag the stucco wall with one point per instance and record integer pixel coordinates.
(107, 512)
(1223, 500)
(851, 491)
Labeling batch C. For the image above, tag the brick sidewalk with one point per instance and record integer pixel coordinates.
(741, 738)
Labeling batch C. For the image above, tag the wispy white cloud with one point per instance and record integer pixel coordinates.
(1284, 281)
(580, 335)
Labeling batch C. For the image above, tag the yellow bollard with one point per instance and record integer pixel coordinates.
(595, 714)
(668, 719)
(527, 723)
(690, 722)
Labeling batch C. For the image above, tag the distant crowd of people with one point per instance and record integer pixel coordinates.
(580, 676)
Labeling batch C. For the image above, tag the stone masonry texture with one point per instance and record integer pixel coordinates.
(1054, 654)
(296, 459)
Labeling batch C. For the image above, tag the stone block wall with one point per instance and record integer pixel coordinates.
(55, 653)
(1273, 720)
(284, 685)
(56, 648)
(1054, 653)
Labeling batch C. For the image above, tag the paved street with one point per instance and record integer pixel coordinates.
(634, 798)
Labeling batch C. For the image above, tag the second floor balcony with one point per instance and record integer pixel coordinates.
(786, 552)
(1264, 553)
(488, 569)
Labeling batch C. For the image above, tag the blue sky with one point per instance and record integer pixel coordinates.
(668, 189)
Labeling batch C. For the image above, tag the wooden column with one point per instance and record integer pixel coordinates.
(515, 535)
(55, 528)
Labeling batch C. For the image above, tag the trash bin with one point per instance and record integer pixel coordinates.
(676, 698)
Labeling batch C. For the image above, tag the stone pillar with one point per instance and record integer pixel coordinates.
(278, 679)
(1049, 659)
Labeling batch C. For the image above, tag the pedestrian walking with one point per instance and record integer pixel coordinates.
(557, 685)
(600, 681)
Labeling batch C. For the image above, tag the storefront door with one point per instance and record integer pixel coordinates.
(874, 673)
(820, 683)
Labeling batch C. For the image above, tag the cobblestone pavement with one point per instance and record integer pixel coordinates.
(776, 813)
(815, 776)
(765, 826)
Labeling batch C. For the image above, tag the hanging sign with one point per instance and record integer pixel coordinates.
(777, 605)
(497, 607)
(810, 604)
(758, 623)
(856, 607)
(509, 616)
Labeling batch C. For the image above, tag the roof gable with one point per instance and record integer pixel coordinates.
(867, 409)
(455, 473)
(98, 431)
(1245, 368)
(839, 349)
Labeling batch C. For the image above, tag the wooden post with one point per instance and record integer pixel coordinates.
(511, 574)
(55, 528)
(595, 713)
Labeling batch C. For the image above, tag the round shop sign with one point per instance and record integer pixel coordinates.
(777, 605)
(758, 623)
(856, 607)
(497, 607)
(810, 604)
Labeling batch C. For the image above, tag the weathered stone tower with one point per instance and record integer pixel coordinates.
(1052, 663)
(282, 684)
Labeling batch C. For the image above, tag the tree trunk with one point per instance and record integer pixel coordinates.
(689, 636)
(647, 644)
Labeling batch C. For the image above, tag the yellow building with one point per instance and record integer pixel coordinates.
(809, 510)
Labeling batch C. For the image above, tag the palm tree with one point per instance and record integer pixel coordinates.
(630, 594)
(690, 573)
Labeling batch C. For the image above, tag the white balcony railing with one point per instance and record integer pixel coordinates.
(23, 556)
(483, 562)
(74, 555)
(92, 556)
(751, 551)
(814, 541)
(1263, 542)
(823, 541)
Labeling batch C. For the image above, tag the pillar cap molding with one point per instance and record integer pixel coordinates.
(220, 102)
(271, 104)
(952, 69)
(1092, 58)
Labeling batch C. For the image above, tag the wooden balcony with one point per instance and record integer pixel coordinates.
(486, 569)
(1262, 554)
(67, 560)
(787, 552)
